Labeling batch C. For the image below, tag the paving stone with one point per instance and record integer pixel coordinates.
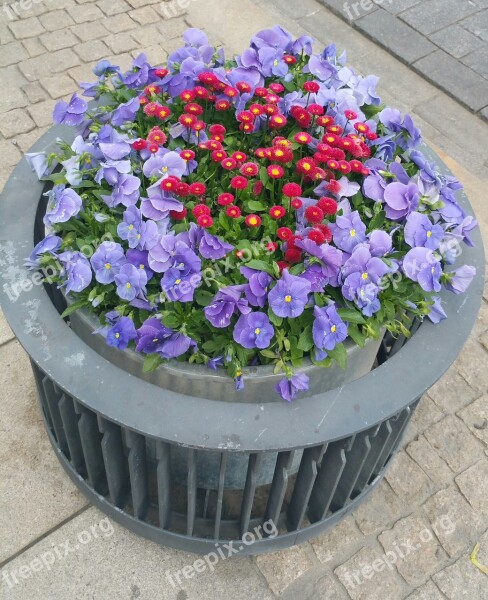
(6, 333)
(451, 392)
(475, 416)
(26, 28)
(315, 585)
(456, 40)
(42, 113)
(57, 40)
(170, 10)
(472, 365)
(455, 523)
(473, 485)
(144, 16)
(25, 141)
(484, 339)
(83, 14)
(477, 24)
(425, 414)
(122, 42)
(10, 157)
(478, 61)
(33, 47)
(139, 3)
(171, 30)
(98, 568)
(415, 549)
(89, 31)
(15, 121)
(454, 443)
(429, 591)
(91, 51)
(432, 15)
(12, 95)
(461, 580)
(392, 33)
(12, 53)
(350, 11)
(156, 55)
(380, 510)
(429, 461)
(36, 494)
(5, 33)
(343, 536)
(119, 23)
(280, 569)
(294, 10)
(62, 60)
(466, 86)
(34, 92)
(407, 479)
(367, 576)
(113, 7)
(398, 6)
(56, 19)
(58, 86)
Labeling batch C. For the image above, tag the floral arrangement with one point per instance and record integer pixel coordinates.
(248, 211)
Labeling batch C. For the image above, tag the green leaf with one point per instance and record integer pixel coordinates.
(203, 297)
(171, 320)
(268, 354)
(151, 362)
(256, 206)
(75, 306)
(260, 265)
(377, 221)
(305, 342)
(339, 354)
(351, 315)
(356, 336)
(278, 321)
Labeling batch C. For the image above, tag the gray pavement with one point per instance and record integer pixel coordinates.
(435, 493)
(445, 41)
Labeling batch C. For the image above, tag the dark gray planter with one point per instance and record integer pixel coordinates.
(121, 438)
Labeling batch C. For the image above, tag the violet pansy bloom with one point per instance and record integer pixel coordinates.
(253, 330)
(289, 296)
(348, 231)
(63, 204)
(50, 244)
(258, 285)
(126, 112)
(401, 199)
(138, 258)
(76, 271)
(437, 313)
(121, 333)
(130, 281)
(107, 261)
(419, 231)
(421, 265)
(159, 204)
(460, 279)
(180, 287)
(164, 164)
(288, 388)
(70, 113)
(227, 300)
(380, 243)
(328, 329)
(125, 191)
(371, 269)
(212, 247)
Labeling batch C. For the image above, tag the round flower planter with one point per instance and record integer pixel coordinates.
(175, 455)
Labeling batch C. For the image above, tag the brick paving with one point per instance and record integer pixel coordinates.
(446, 41)
(431, 509)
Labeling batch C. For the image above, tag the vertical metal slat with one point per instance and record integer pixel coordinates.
(70, 426)
(163, 451)
(328, 478)
(115, 461)
(355, 459)
(278, 486)
(378, 443)
(305, 480)
(249, 491)
(398, 427)
(52, 399)
(138, 473)
(220, 494)
(92, 451)
(191, 491)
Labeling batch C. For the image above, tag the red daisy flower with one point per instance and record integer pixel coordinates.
(205, 221)
(277, 212)
(249, 169)
(225, 199)
(275, 171)
(314, 214)
(292, 190)
(253, 220)
(284, 233)
(234, 212)
(327, 205)
(200, 209)
(198, 189)
(178, 216)
(239, 183)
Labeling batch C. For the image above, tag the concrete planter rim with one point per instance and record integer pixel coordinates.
(210, 424)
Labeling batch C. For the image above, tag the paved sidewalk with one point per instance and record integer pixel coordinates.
(446, 41)
(435, 493)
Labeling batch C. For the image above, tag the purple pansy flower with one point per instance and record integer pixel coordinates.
(328, 329)
(289, 296)
(180, 287)
(76, 271)
(227, 300)
(460, 279)
(70, 113)
(437, 313)
(330, 257)
(138, 258)
(258, 284)
(288, 388)
(421, 265)
(107, 261)
(363, 292)
(63, 204)
(253, 330)
(151, 336)
(401, 199)
(213, 247)
(49, 244)
(159, 203)
(380, 243)
(419, 231)
(126, 112)
(348, 231)
(121, 333)
(372, 269)
(164, 164)
(130, 281)
(314, 273)
(125, 191)
(130, 228)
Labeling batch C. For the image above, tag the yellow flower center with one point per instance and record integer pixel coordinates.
(128, 285)
(178, 281)
(238, 373)
(429, 234)
(257, 331)
(117, 335)
(275, 63)
(131, 227)
(333, 329)
(108, 266)
(364, 276)
(352, 232)
(287, 298)
(164, 169)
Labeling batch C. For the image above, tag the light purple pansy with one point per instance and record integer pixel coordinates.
(63, 204)
(70, 113)
(253, 330)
